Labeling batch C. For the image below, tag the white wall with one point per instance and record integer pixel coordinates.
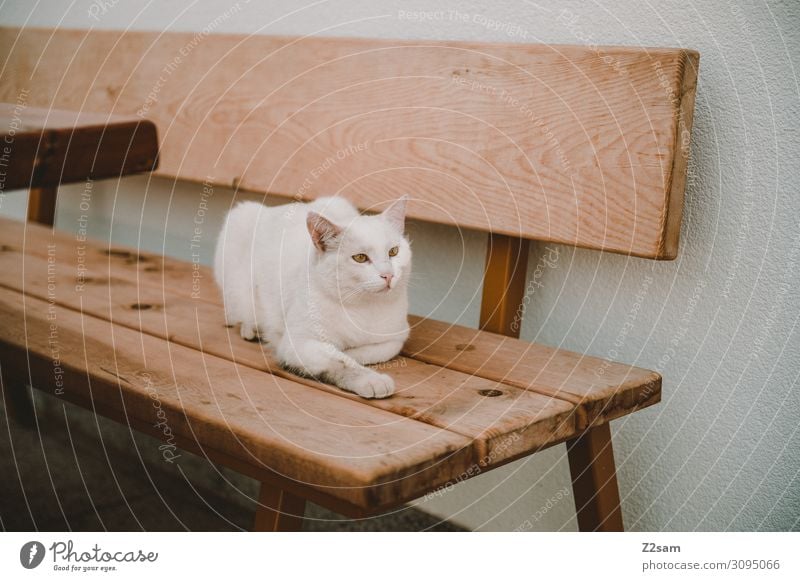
(722, 451)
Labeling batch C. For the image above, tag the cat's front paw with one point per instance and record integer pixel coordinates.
(249, 332)
(372, 385)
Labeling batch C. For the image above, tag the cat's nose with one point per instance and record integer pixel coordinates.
(388, 278)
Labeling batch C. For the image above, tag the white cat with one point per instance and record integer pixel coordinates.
(324, 285)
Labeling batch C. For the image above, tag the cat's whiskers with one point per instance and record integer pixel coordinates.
(351, 294)
(414, 277)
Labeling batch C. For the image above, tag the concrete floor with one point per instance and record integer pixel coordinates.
(76, 472)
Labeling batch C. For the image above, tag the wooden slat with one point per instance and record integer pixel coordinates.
(47, 147)
(350, 451)
(561, 143)
(603, 389)
(502, 421)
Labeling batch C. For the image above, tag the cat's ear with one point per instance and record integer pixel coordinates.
(396, 214)
(323, 231)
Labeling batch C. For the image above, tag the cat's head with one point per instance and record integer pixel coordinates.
(366, 257)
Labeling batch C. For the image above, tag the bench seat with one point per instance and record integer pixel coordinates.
(141, 338)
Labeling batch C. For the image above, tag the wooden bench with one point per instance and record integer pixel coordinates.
(576, 145)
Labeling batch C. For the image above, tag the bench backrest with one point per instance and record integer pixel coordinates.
(582, 145)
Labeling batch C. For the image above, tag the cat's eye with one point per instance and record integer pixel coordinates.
(394, 250)
(360, 257)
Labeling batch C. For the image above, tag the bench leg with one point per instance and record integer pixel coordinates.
(594, 480)
(278, 510)
(17, 399)
(42, 205)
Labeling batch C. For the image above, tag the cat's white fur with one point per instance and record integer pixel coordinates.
(288, 275)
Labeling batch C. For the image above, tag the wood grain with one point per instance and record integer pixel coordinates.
(561, 143)
(501, 421)
(598, 390)
(48, 147)
(680, 160)
(602, 389)
(363, 455)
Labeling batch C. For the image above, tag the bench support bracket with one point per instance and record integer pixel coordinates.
(42, 205)
(278, 510)
(504, 284)
(591, 458)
